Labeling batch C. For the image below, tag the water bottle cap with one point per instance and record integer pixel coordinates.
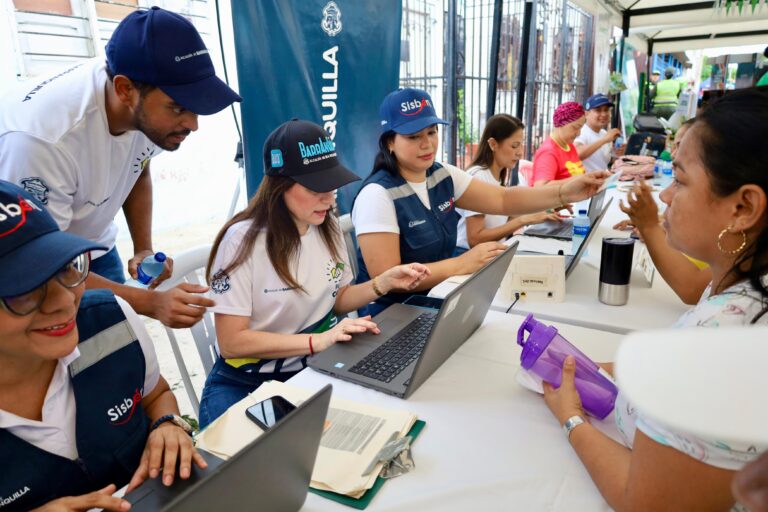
(582, 212)
(160, 256)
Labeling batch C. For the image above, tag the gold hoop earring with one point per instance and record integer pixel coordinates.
(734, 251)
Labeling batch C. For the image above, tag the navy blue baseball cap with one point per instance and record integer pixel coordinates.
(32, 247)
(597, 100)
(304, 152)
(407, 111)
(164, 49)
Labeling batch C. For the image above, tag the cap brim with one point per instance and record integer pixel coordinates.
(204, 97)
(327, 179)
(417, 125)
(38, 261)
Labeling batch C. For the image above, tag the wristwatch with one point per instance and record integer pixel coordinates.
(571, 423)
(176, 420)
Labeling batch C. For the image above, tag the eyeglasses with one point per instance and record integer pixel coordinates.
(70, 276)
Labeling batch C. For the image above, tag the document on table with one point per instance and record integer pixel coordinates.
(354, 434)
(541, 245)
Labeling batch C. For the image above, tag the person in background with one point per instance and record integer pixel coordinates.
(667, 93)
(595, 142)
(498, 155)
(688, 278)
(406, 208)
(652, 89)
(557, 157)
(717, 211)
(763, 79)
(81, 142)
(83, 407)
(280, 273)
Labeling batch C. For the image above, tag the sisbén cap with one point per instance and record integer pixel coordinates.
(407, 111)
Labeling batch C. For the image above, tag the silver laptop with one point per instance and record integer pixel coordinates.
(571, 260)
(564, 229)
(415, 341)
(271, 473)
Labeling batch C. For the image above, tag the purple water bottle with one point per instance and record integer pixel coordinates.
(544, 352)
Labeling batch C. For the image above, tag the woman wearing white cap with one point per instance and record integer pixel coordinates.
(406, 209)
(83, 407)
(279, 272)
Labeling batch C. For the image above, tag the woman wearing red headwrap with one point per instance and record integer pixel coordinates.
(557, 158)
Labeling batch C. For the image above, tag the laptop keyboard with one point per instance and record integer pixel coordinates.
(392, 357)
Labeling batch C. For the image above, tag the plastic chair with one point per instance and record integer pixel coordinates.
(188, 267)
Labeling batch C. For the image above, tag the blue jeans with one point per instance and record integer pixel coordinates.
(109, 266)
(227, 385)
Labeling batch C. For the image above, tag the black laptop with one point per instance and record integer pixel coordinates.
(563, 229)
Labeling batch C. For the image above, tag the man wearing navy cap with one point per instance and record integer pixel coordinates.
(81, 142)
(595, 141)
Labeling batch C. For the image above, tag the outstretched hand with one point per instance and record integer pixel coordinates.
(403, 277)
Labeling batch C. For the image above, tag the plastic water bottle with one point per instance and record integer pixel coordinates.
(667, 174)
(580, 231)
(658, 172)
(617, 145)
(149, 268)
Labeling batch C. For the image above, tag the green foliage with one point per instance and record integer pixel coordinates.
(706, 68)
(617, 84)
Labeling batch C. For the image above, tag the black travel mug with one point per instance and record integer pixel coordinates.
(615, 270)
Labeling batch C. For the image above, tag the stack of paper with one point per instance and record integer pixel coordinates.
(354, 435)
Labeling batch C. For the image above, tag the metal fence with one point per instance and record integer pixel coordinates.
(453, 48)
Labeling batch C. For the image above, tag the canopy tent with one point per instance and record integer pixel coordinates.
(666, 26)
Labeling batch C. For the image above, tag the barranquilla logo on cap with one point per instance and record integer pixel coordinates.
(16, 213)
(320, 148)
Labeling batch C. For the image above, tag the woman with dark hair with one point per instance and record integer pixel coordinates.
(83, 407)
(405, 210)
(717, 212)
(496, 162)
(279, 271)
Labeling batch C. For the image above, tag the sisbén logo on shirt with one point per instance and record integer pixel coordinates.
(122, 413)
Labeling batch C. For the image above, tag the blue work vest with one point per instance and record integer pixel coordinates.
(426, 235)
(111, 426)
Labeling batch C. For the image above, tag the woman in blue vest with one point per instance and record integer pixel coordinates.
(83, 408)
(406, 208)
(280, 274)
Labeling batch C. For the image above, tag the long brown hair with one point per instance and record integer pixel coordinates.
(499, 127)
(268, 211)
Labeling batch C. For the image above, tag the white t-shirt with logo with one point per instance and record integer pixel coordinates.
(55, 433)
(491, 221)
(55, 143)
(374, 210)
(600, 159)
(255, 290)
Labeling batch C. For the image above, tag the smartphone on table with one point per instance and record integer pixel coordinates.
(268, 412)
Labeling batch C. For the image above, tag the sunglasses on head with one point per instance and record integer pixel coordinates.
(69, 276)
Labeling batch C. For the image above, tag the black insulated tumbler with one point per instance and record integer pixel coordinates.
(615, 270)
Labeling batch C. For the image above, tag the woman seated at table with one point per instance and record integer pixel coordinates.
(405, 210)
(557, 157)
(687, 277)
(83, 408)
(279, 272)
(498, 154)
(717, 213)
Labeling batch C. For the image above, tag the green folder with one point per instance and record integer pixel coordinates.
(365, 500)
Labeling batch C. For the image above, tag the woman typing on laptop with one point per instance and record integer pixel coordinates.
(498, 154)
(279, 271)
(717, 212)
(83, 407)
(405, 210)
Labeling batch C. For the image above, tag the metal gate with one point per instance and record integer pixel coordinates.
(453, 48)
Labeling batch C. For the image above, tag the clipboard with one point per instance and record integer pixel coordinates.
(363, 501)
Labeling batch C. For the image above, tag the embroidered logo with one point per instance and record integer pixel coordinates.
(414, 223)
(446, 206)
(11, 210)
(37, 187)
(117, 414)
(276, 157)
(7, 500)
(331, 23)
(220, 282)
(406, 107)
(335, 271)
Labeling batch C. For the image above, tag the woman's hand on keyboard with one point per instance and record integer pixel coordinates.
(344, 330)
